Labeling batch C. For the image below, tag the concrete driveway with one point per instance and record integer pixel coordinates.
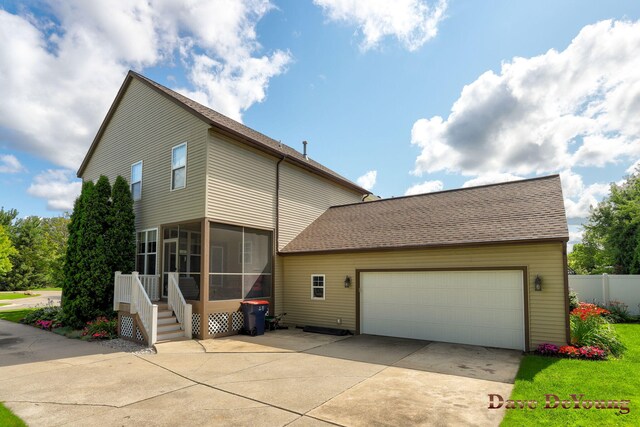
(281, 378)
(43, 298)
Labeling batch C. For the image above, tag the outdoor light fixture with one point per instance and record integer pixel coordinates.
(347, 282)
(538, 283)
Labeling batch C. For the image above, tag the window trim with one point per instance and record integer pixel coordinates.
(146, 254)
(324, 287)
(186, 151)
(132, 182)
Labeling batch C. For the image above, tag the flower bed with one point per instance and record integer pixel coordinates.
(592, 337)
(572, 352)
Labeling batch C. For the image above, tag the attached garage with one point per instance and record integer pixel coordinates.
(454, 266)
(478, 307)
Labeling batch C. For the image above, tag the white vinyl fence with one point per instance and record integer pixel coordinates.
(608, 287)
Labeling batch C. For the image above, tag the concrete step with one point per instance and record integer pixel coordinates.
(166, 336)
(167, 320)
(169, 328)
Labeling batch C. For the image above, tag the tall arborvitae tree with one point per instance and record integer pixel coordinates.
(75, 301)
(87, 270)
(121, 239)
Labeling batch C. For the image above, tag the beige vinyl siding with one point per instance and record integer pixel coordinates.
(547, 314)
(145, 127)
(241, 184)
(304, 197)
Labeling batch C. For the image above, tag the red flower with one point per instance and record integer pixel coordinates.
(586, 310)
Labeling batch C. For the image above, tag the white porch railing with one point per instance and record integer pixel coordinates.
(178, 304)
(151, 285)
(122, 289)
(128, 289)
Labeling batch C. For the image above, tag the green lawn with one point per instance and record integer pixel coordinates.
(48, 289)
(15, 295)
(14, 315)
(8, 419)
(617, 379)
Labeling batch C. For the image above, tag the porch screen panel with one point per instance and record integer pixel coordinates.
(240, 263)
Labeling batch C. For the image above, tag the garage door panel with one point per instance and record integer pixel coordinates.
(469, 307)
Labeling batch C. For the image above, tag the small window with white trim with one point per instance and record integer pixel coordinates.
(136, 181)
(317, 286)
(179, 166)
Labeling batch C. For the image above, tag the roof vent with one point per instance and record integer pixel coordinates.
(304, 150)
(280, 144)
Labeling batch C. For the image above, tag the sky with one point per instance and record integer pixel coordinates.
(402, 97)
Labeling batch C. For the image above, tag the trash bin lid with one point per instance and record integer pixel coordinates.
(256, 302)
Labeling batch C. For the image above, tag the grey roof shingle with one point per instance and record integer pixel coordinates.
(528, 210)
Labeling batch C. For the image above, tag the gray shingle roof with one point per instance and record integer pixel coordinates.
(519, 211)
(229, 126)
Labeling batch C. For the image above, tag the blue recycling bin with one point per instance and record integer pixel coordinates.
(254, 312)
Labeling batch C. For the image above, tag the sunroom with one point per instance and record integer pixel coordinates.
(238, 262)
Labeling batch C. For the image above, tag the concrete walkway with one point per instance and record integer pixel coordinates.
(281, 378)
(44, 298)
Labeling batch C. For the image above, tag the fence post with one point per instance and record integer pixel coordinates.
(116, 291)
(605, 288)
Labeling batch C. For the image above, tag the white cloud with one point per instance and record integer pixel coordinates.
(633, 168)
(59, 76)
(577, 107)
(10, 164)
(412, 22)
(368, 180)
(425, 187)
(58, 186)
(589, 197)
(491, 178)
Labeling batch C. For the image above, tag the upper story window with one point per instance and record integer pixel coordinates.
(317, 286)
(136, 181)
(179, 166)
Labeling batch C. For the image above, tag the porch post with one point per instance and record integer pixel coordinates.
(116, 291)
(204, 279)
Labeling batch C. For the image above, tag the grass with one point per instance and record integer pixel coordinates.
(4, 303)
(8, 419)
(16, 295)
(49, 289)
(615, 379)
(15, 315)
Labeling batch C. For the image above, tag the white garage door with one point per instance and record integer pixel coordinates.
(469, 307)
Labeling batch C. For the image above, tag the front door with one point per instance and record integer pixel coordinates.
(169, 264)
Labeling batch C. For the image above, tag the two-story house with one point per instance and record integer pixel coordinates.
(234, 215)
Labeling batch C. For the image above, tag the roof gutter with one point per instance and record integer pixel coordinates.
(563, 240)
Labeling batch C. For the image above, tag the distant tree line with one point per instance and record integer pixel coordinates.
(32, 251)
(611, 240)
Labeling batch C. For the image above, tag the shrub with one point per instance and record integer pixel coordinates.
(50, 313)
(590, 328)
(101, 328)
(573, 300)
(618, 312)
(546, 349)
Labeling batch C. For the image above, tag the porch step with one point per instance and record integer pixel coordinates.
(166, 320)
(166, 336)
(164, 313)
(169, 328)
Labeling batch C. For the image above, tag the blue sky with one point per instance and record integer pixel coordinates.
(407, 97)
